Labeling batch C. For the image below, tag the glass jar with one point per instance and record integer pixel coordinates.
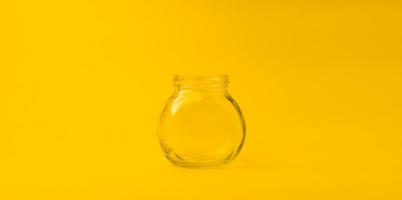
(201, 124)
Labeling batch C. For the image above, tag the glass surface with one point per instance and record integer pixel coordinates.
(201, 124)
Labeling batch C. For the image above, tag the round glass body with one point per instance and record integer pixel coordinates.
(201, 124)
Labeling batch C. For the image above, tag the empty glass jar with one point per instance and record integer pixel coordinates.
(201, 124)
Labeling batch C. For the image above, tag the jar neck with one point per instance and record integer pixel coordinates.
(212, 83)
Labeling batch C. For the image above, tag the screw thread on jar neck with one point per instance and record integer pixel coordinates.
(201, 81)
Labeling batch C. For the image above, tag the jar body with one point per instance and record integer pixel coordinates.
(201, 125)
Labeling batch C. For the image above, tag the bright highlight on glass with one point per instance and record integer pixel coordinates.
(201, 124)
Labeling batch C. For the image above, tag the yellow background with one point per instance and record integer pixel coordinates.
(82, 84)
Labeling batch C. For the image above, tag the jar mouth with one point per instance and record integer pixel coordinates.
(220, 80)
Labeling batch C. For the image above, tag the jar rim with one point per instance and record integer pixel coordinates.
(201, 80)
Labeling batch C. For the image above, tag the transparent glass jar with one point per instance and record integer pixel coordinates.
(201, 124)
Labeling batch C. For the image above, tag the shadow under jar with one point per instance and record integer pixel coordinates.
(201, 124)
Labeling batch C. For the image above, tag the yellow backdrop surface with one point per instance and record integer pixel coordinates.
(82, 84)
